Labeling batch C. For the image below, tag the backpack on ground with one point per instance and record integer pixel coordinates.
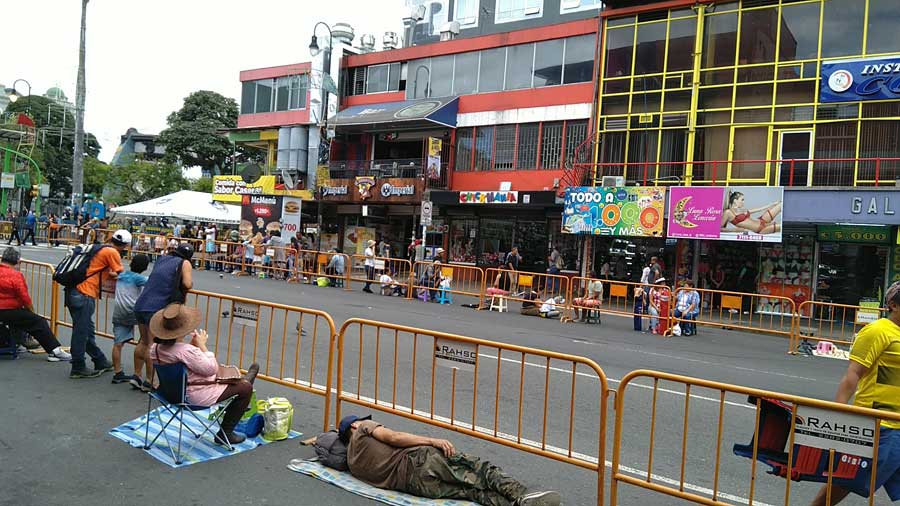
(72, 270)
(331, 451)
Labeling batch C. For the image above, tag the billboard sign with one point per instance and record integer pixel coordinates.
(860, 79)
(233, 188)
(735, 213)
(614, 211)
(260, 213)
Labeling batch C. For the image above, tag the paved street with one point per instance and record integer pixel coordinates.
(74, 430)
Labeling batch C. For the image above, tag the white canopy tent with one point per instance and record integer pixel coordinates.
(184, 205)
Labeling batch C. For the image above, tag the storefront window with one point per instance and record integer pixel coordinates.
(799, 32)
(843, 27)
(619, 49)
(758, 29)
(720, 40)
(882, 36)
(651, 48)
(462, 240)
(785, 270)
(494, 240)
(843, 279)
(681, 44)
(531, 237)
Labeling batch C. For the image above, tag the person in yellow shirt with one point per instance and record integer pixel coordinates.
(874, 376)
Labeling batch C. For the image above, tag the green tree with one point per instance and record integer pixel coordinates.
(194, 133)
(204, 184)
(96, 176)
(142, 180)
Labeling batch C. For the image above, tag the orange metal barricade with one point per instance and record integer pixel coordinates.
(754, 312)
(670, 438)
(827, 321)
(41, 288)
(515, 283)
(399, 269)
(439, 378)
(619, 297)
(463, 279)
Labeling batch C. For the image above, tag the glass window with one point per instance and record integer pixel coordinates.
(463, 149)
(758, 36)
(484, 148)
(619, 51)
(264, 95)
(377, 79)
(248, 96)
(512, 10)
(417, 80)
(882, 36)
(651, 48)
(720, 40)
(753, 94)
(465, 74)
(579, 62)
(299, 85)
(519, 66)
(551, 145)
(715, 98)
(394, 77)
(466, 12)
(579, 5)
(282, 95)
(796, 92)
(495, 238)
(842, 27)
(799, 32)
(527, 146)
(682, 33)
(504, 147)
(462, 240)
(548, 60)
(441, 82)
(490, 76)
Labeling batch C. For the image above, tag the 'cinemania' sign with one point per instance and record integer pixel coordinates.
(860, 80)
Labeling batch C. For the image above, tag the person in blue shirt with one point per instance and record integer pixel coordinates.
(30, 224)
(128, 288)
(687, 307)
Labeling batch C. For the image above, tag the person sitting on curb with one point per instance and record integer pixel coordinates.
(429, 467)
(389, 286)
(17, 310)
(169, 326)
(529, 306)
(548, 308)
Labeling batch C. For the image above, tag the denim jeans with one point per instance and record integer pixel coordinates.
(688, 326)
(81, 308)
(370, 276)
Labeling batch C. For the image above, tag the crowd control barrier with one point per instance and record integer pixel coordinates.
(795, 437)
(311, 264)
(827, 321)
(464, 280)
(513, 285)
(41, 288)
(619, 298)
(753, 312)
(398, 268)
(455, 382)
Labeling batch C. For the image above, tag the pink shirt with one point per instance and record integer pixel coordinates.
(202, 367)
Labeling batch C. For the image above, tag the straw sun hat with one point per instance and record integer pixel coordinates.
(174, 321)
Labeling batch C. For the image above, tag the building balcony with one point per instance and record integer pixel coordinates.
(407, 168)
(819, 172)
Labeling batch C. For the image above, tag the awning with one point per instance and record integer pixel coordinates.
(408, 113)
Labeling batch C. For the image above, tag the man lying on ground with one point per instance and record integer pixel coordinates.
(429, 467)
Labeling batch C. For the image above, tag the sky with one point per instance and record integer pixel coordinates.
(144, 58)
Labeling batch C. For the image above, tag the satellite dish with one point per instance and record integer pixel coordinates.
(250, 173)
(288, 180)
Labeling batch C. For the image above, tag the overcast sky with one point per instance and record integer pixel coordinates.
(144, 57)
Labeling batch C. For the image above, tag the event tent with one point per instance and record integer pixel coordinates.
(184, 205)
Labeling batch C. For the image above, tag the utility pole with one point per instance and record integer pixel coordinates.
(78, 157)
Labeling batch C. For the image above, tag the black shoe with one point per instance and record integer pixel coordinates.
(120, 377)
(235, 438)
(83, 372)
(367, 290)
(252, 371)
(104, 367)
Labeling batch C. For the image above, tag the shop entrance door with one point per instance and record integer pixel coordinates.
(748, 154)
(795, 152)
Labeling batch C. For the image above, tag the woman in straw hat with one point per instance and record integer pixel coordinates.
(168, 326)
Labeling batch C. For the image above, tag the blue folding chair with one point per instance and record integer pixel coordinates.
(171, 394)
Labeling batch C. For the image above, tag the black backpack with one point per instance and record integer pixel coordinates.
(331, 450)
(72, 270)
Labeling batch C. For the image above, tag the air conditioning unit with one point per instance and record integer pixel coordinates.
(613, 181)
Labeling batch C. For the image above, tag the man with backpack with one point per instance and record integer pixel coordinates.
(82, 274)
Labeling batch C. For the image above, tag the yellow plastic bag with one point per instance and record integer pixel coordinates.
(279, 416)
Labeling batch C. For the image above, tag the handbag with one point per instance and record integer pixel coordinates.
(226, 375)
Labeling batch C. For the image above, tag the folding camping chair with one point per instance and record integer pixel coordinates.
(171, 394)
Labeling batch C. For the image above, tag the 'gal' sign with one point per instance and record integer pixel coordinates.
(873, 205)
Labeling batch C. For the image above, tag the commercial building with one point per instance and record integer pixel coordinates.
(799, 94)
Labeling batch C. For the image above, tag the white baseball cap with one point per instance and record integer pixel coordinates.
(121, 237)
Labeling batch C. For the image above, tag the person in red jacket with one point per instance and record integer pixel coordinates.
(17, 310)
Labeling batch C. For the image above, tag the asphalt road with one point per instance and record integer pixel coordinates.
(407, 379)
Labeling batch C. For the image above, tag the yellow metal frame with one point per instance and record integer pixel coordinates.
(703, 13)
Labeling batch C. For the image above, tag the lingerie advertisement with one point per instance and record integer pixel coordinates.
(733, 213)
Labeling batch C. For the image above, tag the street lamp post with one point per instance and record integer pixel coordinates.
(14, 95)
(78, 156)
(323, 118)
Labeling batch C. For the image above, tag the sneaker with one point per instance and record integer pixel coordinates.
(84, 372)
(59, 356)
(135, 381)
(547, 498)
(146, 387)
(120, 377)
(31, 344)
(104, 367)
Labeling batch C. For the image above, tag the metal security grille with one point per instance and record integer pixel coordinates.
(464, 149)
(526, 158)
(484, 147)
(576, 133)
(505, 147)
(551, 145)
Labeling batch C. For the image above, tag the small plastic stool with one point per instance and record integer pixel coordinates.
(498, 302)
(445, 297)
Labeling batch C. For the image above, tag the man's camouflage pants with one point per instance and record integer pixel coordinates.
(435, 476)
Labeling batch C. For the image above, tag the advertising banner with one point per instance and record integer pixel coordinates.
(372, 190)
(260, 213)
(735, 213)
(626, 211)
(842, 432)
(290, 216)
(233, 188)
(861, 79)
(245, 314)
(455, 354)
(433, 167)
(355, 239)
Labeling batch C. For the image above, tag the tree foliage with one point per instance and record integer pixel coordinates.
(96, 176)
(194, 133)
(142, 180)
(55, 138)
(204, 184)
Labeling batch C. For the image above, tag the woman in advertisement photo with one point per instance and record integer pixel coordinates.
(736, 214)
